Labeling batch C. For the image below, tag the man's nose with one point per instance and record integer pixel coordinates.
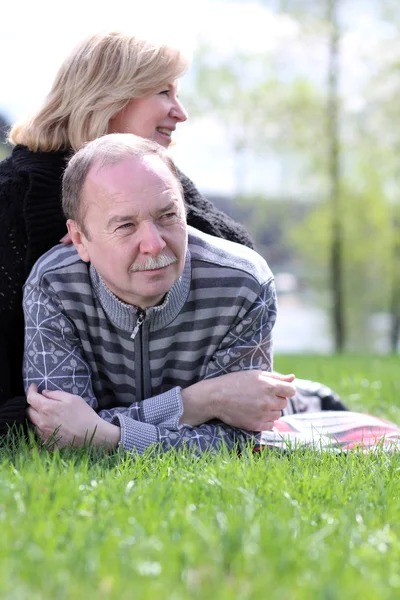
(151, 242)
(178, 111)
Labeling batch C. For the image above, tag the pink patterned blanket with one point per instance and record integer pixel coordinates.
(332, 430)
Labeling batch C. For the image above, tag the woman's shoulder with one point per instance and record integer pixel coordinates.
(187, 184)
(13, 186)
(6, 169)
(194, 200)
(202, 214)
(23, 166)
(23, 162)
(10, 185)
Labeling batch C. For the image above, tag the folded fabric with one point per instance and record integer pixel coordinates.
(332, 430)
(312, 396)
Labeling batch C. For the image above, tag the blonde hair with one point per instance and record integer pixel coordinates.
(97, 80)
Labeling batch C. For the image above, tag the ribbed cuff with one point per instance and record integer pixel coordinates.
(134, 434)
(165, 409)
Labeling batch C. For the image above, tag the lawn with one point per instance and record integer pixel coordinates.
(301, 526)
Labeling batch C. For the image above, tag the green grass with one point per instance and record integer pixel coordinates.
(366, 383)
(306, 525)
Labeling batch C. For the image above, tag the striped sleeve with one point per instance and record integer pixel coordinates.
(248, 345)
(209, 436)
(53, 357)
(54, 360)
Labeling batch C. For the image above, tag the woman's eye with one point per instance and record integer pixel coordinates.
(166, 92)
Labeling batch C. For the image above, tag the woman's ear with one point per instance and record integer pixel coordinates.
(116, 122)
(79, 239)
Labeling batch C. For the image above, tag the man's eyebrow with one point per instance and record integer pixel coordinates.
(166, 208)
(117, 219)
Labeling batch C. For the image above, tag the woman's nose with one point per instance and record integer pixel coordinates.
(178, 111)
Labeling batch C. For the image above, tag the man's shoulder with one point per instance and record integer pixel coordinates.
(225, 254)
(62, 259)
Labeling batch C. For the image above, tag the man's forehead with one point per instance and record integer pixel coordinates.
(131, 170)
(140, 184)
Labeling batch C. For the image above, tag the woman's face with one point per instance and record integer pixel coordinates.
(154, 117)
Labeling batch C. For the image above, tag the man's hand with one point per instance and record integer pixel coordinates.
(250, 400)
(70, 419)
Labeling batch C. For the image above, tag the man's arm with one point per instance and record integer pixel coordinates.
(66, 419)
(250, 400)
(238, 388)
(54, 361)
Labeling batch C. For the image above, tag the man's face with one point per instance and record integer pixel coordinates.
(136, 227)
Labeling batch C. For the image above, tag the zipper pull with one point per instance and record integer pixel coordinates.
(141, 314)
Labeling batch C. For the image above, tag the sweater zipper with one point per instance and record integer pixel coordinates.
(141, 315)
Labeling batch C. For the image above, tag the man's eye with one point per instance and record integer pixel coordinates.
(167, 216)
(125, 226)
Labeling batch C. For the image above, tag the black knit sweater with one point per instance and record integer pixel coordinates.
(31, 222)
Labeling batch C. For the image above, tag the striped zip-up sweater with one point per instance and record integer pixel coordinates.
(216, 319)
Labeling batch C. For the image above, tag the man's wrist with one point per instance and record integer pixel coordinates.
(108, 435)
(198, 403)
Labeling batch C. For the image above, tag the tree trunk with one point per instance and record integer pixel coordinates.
(336, 253)
(395, 295)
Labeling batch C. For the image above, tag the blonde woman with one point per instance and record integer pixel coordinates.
(111, 82)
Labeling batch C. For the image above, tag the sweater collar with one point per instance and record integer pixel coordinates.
(124, 315)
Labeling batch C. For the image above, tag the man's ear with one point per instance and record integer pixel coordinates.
(79, 240)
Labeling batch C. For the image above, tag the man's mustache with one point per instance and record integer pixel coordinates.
(154, 262)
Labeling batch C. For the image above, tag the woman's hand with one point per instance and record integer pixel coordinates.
(66, 239)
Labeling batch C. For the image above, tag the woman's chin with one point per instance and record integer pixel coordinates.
(163, 140)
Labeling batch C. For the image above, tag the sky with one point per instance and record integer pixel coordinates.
(36, 35)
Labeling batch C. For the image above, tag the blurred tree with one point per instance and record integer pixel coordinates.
(265, 112)
(323, 17)
(258, 111)
(381, 127)
(353, 192)
(336, 250)
(345, 236)
(4, 146)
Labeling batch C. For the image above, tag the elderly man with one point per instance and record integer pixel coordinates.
(145, 330)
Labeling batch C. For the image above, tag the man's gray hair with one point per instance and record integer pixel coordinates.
(104, 151)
